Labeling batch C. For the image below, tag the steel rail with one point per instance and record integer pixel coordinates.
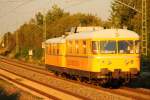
(124, 90)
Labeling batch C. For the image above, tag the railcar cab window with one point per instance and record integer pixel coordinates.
(94, 47)
(108, 47)
(126, 47)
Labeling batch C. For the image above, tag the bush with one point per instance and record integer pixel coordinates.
(5, 96)
(24, 52)
(17, 55)
(38, 53)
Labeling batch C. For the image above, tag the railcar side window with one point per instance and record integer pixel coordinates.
(126, 47)
(108, 47)
(94, 47)
(46, 49)
(52, 49)
(57, 49)
(84, 47)
(76, 47)
(70, 46)
(137, 46)
(49, 50)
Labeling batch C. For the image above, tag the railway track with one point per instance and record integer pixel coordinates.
(46, 91)
(15, 80)
(81, 92)
(134, 93)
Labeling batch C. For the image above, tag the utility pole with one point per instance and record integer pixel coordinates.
(17, 43)
(44, 36)
(144, 37)
(44, 27)
(17, 39)
(7, 38)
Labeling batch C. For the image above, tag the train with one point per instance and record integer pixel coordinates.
(95, 55)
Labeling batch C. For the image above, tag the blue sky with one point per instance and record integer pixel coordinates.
(14, 13)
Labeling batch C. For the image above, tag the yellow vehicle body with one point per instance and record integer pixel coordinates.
(75, 55)
(55, 57)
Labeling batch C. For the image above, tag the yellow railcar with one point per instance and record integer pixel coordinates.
(55, 52)
(96, 55)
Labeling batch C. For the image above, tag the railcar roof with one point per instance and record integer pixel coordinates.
(56, 40)
(105, 33)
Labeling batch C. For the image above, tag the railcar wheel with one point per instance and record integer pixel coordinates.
(63, 75)
(95, 82)
(105, 83)
(73, 77)
(115, 83)
(81, 79)
(56, 73)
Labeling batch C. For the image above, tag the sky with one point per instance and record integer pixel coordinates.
(14, 13)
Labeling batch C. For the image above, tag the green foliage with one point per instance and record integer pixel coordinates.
(122, 15)
(55, 14)
(38, 53)
(17, 55)
(58, 22)
(65, 23)
(24, 52)
(39, 18)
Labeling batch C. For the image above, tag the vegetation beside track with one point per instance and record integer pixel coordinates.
(10, 92)
(30, 34)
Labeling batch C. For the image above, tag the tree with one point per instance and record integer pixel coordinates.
(129, 17)
(122, 15)
(57, 23)
(39, 18)
(55, 13)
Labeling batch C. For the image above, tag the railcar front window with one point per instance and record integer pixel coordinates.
(108, 47)
(126, 47)
(137, 46)
(94, 47)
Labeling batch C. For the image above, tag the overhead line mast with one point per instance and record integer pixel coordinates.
(144, 35)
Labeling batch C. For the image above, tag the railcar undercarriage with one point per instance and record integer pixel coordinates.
(104, 78)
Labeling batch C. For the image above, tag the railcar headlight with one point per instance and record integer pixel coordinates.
(126, 62)
(103, 61)
(109, 62)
